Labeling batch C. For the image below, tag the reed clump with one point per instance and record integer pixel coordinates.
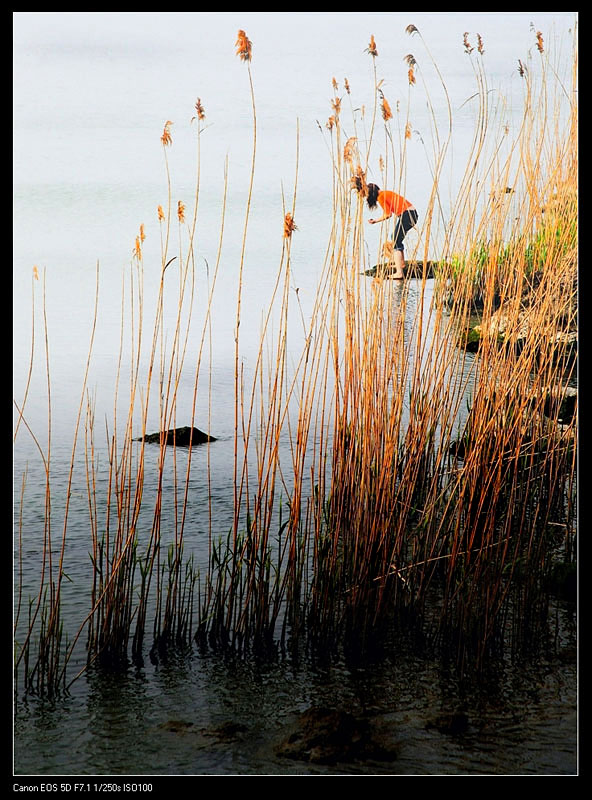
(385, 474)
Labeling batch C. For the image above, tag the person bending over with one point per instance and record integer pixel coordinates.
(406, 214)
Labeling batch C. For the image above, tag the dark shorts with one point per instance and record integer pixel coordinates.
(404, 223)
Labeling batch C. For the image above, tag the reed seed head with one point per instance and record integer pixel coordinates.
(289, 226)
(166, 137)
(358, 182)
(160, 214)
(539, 41)
(348, 150)
(372, 47)
(335, 84)
(138, 248)
(411, 62)
(408, 130)
(388, 249)
(346, 84)
(181, 211)
(521, 68)
(330, 123)
(480, 47)
(468, 48)
(243, 46)
(386, 109)
(411, 29)
(35, 273)
(201, 114)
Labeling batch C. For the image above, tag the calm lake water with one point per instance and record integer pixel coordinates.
(92, 92)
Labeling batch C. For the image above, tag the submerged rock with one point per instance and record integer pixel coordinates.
(563, 581)
(327, 736)
(452, 723)
(227, 732)
(181, 437)
(561, 404)
(176, 725)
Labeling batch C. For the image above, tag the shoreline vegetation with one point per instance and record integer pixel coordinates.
(396, 505)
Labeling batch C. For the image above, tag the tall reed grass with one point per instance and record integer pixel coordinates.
(391, 497)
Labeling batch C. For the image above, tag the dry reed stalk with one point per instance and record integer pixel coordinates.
(244, 51)
(41, 677)
(206, 331)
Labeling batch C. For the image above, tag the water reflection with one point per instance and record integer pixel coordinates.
(207, 715)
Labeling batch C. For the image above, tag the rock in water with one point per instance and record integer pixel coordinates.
(181, 437)
(327, 736)
(454, 722)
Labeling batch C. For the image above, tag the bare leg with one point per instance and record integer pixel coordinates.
(399, 262)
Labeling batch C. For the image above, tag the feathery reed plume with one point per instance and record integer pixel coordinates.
(539, 41)
(181, 211)
(411, 63)
(411, 29)
(142, 233)
(289, 226)
(468, 48)
(358, 182)
(330, 123)
(160, 213)
(335, 84)
(138, 249)
(346, 84)
(201, 114)
(388, 249)
(371, 49)
(408, 130)
(243, 46)
(348, 150)
(166, 137)
(480, 47)
(386, 109)
(336, 106)
(35, 273)
(521, 69)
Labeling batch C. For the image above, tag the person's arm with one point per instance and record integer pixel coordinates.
(382, 219)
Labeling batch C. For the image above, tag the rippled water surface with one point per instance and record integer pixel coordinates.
(210, 716)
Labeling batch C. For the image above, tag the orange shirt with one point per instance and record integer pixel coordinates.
(393, 203)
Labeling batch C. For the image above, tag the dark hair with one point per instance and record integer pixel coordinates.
(373, 192)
